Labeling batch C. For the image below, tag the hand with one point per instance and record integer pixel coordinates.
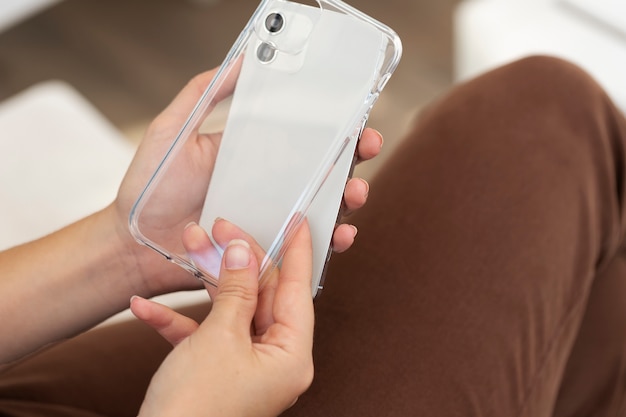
(160, 277)
(183, 194)
(223, 368)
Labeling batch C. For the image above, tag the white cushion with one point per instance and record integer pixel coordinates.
(60, 160)
(489, 33)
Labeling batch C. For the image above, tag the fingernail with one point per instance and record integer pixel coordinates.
(237, 254)
(355, 230)
(382, 139)
(367, 187)
(190, 224)
(135, 297)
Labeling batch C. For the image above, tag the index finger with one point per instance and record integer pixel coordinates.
(293, 300)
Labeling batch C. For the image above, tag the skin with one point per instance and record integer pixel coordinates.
(69, 281)
(224, 366)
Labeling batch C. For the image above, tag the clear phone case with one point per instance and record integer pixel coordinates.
(272, 139)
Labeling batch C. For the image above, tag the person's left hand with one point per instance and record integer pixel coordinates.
(232, 365)
(158, 278)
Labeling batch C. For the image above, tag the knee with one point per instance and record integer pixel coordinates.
(519, 96)
(548, 85)
(537, 114)
(542, 67)
(545, 77)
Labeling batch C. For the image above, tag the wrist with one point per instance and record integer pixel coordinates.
(148, 273)
(132, 258)
(119, 273)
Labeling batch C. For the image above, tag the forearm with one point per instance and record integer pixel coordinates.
(62, 284)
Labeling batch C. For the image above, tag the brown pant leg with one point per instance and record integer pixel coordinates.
(490, 237)
(104, 372)
(594, 383)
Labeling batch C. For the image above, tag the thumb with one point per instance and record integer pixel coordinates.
(235, 302)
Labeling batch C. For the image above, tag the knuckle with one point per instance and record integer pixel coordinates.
(237, 289)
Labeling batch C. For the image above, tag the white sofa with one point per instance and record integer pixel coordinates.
(60, 160)
(13, 12)
(488, 33)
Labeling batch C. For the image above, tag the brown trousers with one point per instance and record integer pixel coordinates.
(488, 278)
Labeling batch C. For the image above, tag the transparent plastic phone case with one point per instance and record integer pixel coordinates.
(272, 139)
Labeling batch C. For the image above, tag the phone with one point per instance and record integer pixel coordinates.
(285, 110)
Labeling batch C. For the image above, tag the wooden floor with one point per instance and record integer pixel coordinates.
(130, 57)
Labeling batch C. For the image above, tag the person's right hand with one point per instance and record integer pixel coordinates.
(222, 367)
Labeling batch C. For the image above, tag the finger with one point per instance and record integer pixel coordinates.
(355, 195)
(237, 289)
(293, 302)
(224, 231)
(264, 316)
(172, 326)
(370, 144)
(179, 109)
(202, 252)
(166, 126)
(186, 100)
(343, 237)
